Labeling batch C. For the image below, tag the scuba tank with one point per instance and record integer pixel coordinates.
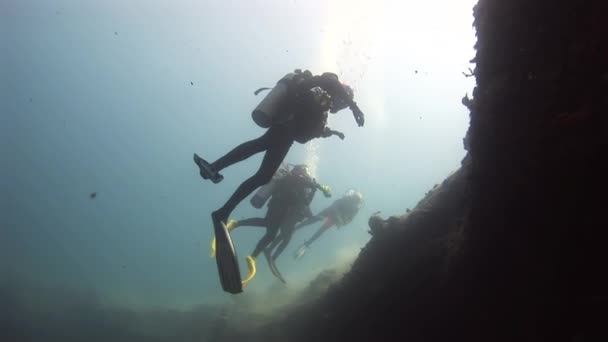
(265, 191)
(268, 110)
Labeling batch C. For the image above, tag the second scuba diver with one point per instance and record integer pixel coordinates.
(294, 110)
(290, 194)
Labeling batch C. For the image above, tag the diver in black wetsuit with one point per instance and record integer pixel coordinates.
(308, 122)
(289, 204)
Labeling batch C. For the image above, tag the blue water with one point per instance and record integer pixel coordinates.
(114, 98)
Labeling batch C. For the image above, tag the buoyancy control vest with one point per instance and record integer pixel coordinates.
(272, 109)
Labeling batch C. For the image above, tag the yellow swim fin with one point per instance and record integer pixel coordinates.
(252, 269)
(230, 226)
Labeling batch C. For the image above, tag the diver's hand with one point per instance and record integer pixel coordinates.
(326, 190)
(340, 135)
(358, 114)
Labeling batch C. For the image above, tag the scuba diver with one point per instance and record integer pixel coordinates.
(339, 213)
(294, 110)
(290, 193)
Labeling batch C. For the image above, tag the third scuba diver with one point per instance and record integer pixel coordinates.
(294, 110)
(340, 213)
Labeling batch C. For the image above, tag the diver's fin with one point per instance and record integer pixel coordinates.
(206, 171)
(273, 266)
(278, 274)
(230, 226)
(299, 253)
(227, 263)
(252, 270)
(260, 90)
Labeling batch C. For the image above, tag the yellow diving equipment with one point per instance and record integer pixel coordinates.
(230, 226)
(252, 269)
(326, 190)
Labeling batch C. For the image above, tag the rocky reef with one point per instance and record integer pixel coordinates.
(511, 246)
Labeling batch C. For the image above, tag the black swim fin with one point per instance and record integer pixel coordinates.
(273, 267)
(206, 171)
(227, 262)
(260, 90)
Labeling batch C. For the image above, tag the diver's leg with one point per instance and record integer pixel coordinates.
(276, 152)
(244, 151)
(274, 217)
(326, 225)
(311, 220)
(276, 241)
(287, 233)
(287, 226)
(251, 222)
(306, 245)
(267, 253)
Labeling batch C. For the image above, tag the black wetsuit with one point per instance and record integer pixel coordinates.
(308, 123)
(287, 206)
(295, 214)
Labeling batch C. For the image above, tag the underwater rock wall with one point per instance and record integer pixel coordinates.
(537, 142)
(512, 246)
